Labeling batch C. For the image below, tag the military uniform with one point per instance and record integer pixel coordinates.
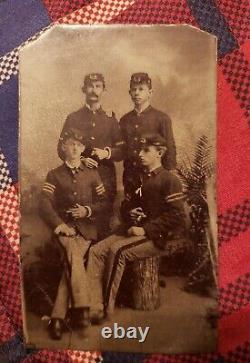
(135, 124)
(160, 196)
(64, 188)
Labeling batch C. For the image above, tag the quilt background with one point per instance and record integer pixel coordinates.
(22, 21)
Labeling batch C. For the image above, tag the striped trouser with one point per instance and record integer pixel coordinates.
(106, 264)
(73, 289)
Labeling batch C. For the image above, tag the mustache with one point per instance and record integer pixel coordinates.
(93, 95)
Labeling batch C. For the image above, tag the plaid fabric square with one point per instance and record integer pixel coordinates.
(8, 65)
(235, 295)
(97, 12)
(158, 11)
(237, 15)
(13, 350)
(7, 331)
(180, 358)
(236, 69)
(85, 357)
(5, 179)
(10, 61)
(240, 354)
(10, 283)
(110, 357)
(234, 221)
(46, 356)
(59, 8)
(211, 20)
(9, 216)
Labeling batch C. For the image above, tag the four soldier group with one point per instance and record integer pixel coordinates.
(78, 196)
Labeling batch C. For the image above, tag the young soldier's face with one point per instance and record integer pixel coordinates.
(140, 93)
(149, 155)
(72, 149)
(94, 91)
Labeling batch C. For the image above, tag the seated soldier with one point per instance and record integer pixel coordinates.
(153, 214)
(72, 196)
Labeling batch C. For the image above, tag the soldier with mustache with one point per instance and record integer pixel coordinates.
(104, 138)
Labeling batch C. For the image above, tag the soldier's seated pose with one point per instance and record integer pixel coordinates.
(72, 197)
(153, 214)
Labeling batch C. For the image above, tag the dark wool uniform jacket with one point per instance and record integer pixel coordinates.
(101, 131)
(63, 189)
(149, 121)
(160, 196)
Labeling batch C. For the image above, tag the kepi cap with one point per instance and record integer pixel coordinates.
(139, 78)
(152, 140)
(93, 77)
(72, 133)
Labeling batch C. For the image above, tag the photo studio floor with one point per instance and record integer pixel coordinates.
(179, 325)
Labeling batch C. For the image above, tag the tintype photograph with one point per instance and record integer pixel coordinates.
(117, 167)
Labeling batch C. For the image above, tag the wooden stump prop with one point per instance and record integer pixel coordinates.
(145, 287)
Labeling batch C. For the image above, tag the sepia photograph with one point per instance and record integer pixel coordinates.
(117, 169)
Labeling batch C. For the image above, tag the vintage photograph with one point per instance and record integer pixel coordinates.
(117, 167)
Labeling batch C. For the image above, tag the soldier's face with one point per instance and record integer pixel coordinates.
(72, 149)
(140, 93)
(94, 91)
(149, 155)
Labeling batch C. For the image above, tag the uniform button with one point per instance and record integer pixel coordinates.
(136, 126)
(134, 163)
(136, 138)
(92, 138)
(75, 193)
(135, 151)
(93, 124)
(74, 181)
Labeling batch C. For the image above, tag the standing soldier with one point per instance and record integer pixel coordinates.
(72, 197)
(104, 137)
(143, 119)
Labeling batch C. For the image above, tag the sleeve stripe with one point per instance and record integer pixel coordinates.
(120, 143)
(49, 185)
(89, 211)
(45, 189)
(174, 199)
(99, 187)
(173, 195)
(101, 192)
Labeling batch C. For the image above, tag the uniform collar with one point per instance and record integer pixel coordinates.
(154, 172)
(74, 168)
(99, 110)
(145, 110)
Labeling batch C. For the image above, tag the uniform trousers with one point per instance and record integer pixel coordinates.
(107, 262)
(73, 289)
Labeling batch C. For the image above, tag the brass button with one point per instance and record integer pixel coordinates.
(75, 193)
(134, 163)
(93, 124)
(136, 126)
(92, 138)
(74, 181)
